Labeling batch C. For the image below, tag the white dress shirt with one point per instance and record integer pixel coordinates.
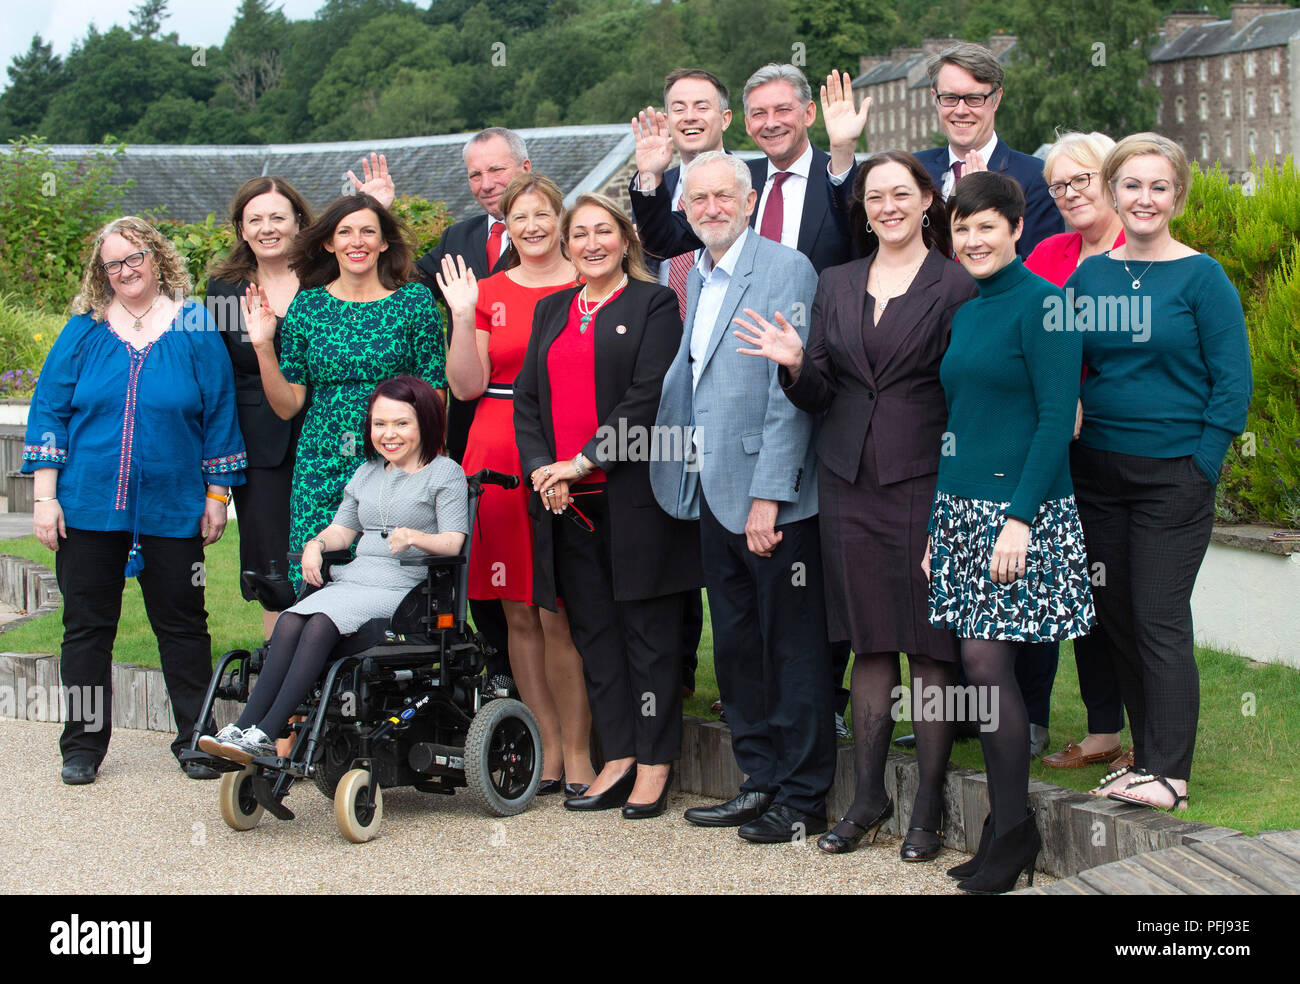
(717, 277)
(793, 191)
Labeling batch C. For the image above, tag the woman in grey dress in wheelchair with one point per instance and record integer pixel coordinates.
(404, 499)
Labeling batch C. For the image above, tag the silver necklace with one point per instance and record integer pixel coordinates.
(904, 282)
(589, 312)
(384, 528)
(1137, 281)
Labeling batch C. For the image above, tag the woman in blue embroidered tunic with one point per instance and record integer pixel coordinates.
(134, 413)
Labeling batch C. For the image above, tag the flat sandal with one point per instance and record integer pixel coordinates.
(1180, 802)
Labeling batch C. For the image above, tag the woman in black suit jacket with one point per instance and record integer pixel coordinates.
(879, 330)
(266, 214)
(585, 406)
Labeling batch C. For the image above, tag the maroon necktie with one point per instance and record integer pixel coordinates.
(679, 268)
(774, 212)
(956, 170)
(494, 242)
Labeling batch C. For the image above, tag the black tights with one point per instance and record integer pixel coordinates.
(300, 645)
(875, 677)
(990, 667)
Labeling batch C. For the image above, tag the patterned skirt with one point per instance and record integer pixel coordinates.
(1052, 601)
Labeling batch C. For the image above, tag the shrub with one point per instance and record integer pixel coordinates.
(26, 335)
(1253, 230)
(49, 211)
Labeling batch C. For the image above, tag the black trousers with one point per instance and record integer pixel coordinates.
(1036, 672)
(631, 650)
(89, 566)
(692, 628)
(772, 659)
(1147, 521)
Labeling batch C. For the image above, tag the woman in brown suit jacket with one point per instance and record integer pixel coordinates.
(879, 331)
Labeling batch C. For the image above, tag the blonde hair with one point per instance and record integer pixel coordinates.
(1140, 144)
(1088, 149)
(96, 294)
(634, 262)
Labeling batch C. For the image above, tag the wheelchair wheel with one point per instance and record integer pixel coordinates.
(334, 762)
(239, 807)
(503, 757)
(357, 822)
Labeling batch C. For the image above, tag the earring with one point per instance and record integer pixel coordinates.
(925, 220)
(869, 229)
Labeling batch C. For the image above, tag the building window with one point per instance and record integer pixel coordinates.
(1277, 61)
(1204, 104)
(1250, 65)
(1250, 103)
(1277, 102)
(1160, 113)
(1277, 143)
(1178, 74)
(1200, 70)
(1179, 111)
(1227, 146)
(1227, 104)
(1226, 67)
(1205, 147)
(1160, 74)
(1250, 143)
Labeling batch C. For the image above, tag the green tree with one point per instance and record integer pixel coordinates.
(168, 120)
(1080, 68)
(146, 19)
(835, 33)
(254, 50)
(415, 104)
(34, 78)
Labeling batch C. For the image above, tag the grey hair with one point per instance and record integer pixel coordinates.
(774, 72)
(974, 58)
(738, 167)
(518, 149)
(1087, 149)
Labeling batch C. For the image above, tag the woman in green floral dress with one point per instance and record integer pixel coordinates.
(356, 322)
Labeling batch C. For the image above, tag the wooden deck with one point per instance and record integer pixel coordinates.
(1265, 865)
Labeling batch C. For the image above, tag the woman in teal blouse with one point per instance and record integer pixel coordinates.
(1006, 560)
(1167, 389)
(356, 322)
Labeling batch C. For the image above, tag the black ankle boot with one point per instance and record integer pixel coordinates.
(1008, 855)
(968, 868)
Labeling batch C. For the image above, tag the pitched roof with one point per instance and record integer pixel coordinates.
(1217, 38)
(188, 182)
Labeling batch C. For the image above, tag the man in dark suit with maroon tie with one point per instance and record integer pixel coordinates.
(493, 158)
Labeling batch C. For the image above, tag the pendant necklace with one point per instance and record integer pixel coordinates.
(138, 326)
(589, 311)
(383, 505)
(1137, 281)
(904, 281)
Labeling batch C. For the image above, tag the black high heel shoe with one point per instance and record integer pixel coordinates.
(921, 848)
(549, 787)
(1013, 852)
(643, 811)
(833, 843)
(968, 868)
(612, 798)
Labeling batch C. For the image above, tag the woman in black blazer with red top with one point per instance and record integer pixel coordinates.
(589, 388)
(879, 330)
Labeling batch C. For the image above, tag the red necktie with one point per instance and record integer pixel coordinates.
(679, 268)
(956, 170)
(774, 212)
(494, 242)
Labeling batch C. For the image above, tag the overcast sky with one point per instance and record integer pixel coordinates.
(64, 21)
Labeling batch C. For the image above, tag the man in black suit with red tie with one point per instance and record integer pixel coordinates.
(797, 206)
(493, 158)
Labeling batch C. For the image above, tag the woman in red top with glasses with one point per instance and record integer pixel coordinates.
(585, 406)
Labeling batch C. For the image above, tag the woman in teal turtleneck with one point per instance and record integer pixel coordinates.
(1167, 389)
(1006, 559)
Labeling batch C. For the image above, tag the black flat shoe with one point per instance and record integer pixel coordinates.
(78, 772)
(833, 843)
(549, 787)
(643, 811)
(736, 811)
(781, 824)
(921, 844)
(197, 770)
(612, 798)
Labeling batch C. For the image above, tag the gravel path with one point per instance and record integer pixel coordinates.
(144, 828)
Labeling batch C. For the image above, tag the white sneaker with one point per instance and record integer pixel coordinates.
(213, 744)
(248, 746)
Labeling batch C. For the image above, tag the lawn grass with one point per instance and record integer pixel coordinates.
(1243, 774)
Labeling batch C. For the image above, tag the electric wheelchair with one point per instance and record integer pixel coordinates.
(403, 702)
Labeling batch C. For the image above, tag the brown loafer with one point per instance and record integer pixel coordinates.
(1072, 756)
(1125, 761)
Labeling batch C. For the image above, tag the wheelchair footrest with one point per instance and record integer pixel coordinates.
(211, 761)
(262, 790)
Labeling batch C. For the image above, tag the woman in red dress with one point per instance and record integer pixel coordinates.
(484, 362)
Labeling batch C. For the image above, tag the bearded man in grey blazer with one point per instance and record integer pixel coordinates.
(750, 477)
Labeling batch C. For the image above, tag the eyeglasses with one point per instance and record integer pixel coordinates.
(972, 99)
(133, 260)
(1078, 183)
(578, 517)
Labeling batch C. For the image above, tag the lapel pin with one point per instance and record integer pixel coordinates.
(621, 329)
